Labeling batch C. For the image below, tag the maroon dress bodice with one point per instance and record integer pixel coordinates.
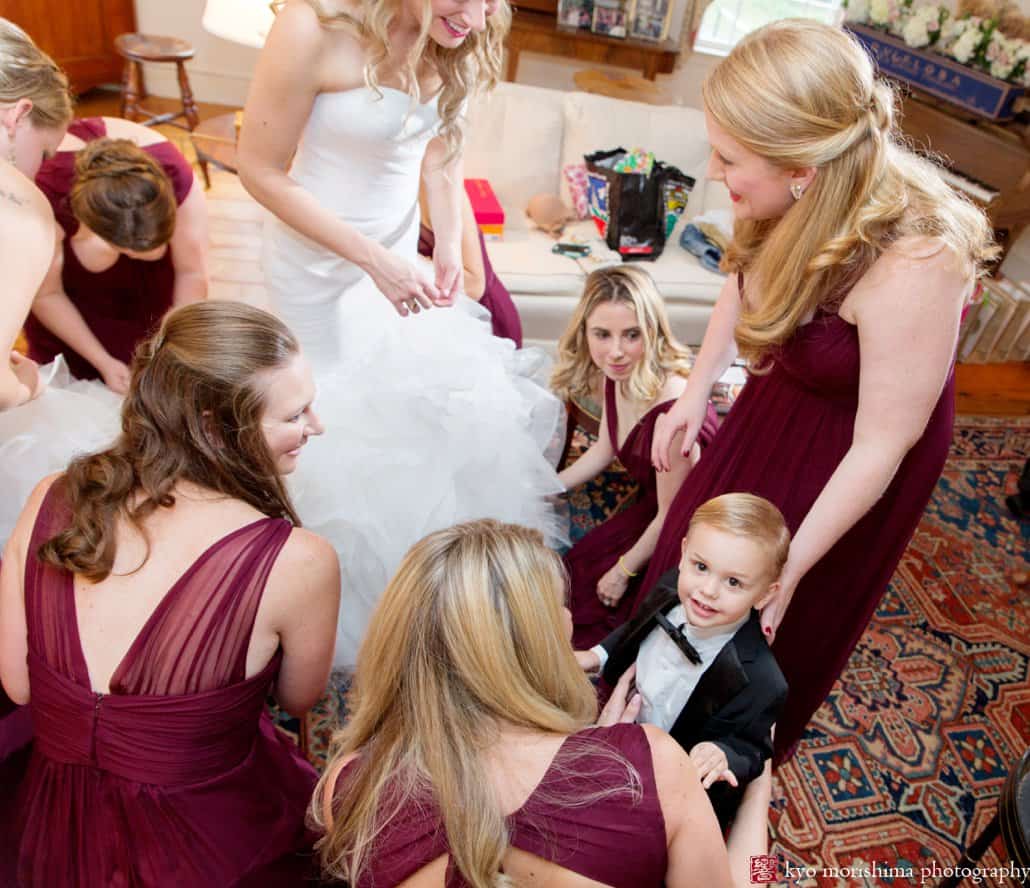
(595, 554)
(504, 316)
(783, 438)
(617, 840)
(123, 304)
(175, 777)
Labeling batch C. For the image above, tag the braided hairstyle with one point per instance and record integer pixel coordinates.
(123, 195)
(803, 94)
(26, 72)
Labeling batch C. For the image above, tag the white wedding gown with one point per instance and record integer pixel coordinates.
(71, 418)
(430, 420)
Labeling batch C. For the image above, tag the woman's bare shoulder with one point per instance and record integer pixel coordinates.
(925, 270)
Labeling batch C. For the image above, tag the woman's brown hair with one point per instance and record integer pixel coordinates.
(123, 195)
(193, 413)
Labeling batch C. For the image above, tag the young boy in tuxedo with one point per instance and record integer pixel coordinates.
(704, 670)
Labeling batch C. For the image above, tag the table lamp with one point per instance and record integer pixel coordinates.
(241, 21)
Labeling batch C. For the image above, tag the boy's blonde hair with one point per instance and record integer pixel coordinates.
(575, 374)
(747, 515)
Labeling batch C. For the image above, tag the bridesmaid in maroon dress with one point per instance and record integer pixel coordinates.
(150, 598)
(854, 262)
(620, 330)
(471, 748)
(134, 243)
(480, 280)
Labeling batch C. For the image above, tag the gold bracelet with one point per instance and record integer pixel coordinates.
(629, 573)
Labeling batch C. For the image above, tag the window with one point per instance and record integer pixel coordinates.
(726, 21)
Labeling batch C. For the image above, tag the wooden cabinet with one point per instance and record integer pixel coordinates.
(78, 34)
(535, 31)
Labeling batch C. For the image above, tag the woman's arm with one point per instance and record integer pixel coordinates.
(26, 247)
(286, 82)
(598, 457)
(718, 350)
(58, 314)
(697, 855)
(907, 310)
(445, 194)
(304, 603)
(471, 253)
(14, 642)
(189, 248)
(636, 557)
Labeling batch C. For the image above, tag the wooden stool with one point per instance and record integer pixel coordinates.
(139, 48)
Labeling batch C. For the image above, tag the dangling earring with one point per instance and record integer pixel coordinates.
(796, 191)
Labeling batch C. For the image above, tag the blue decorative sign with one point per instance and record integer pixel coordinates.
(939, 75)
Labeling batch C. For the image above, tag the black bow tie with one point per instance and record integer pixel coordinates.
(681, 640)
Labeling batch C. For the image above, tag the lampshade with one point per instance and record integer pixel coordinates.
(241, 21)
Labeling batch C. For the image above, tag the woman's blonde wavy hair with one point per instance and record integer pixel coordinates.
(575, 374)
(474, 66)
(26, 72)
(803, 94)
(469, 635)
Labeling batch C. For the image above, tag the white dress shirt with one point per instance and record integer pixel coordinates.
(665, 677)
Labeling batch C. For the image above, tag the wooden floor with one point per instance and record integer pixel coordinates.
(991, 389)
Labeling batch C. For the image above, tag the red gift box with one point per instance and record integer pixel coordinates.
(485, 207)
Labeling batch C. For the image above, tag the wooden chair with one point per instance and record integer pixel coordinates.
(1011, 821)
(139, 48)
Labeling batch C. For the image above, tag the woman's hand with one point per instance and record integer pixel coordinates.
(115, 375)
(449, 271)
(27, 372)
(687, 415)
(773, 612)
(618, 709)
(401, 282)
(612, 586)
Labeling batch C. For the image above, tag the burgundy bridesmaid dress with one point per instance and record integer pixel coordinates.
(615, 840)
(597, 552)
(504, 316)
(175, 777)
(125, 303)
(783, 438)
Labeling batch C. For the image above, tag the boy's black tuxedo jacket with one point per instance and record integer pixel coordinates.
(736, 701)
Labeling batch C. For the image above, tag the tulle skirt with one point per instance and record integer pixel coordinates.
(430, 420)
(70, 418)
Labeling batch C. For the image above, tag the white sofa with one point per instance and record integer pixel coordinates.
(520, 137)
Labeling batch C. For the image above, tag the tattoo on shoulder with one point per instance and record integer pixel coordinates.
(11, 197)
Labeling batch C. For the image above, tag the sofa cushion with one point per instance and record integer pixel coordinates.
(525, 264)
(514, 139)
(675, 133)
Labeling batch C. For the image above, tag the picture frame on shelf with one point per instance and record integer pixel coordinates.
(576, 13)
(651, 20)
(610, 18)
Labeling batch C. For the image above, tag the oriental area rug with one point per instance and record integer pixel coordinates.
(901, 767)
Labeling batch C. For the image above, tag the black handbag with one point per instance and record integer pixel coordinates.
(634, 212)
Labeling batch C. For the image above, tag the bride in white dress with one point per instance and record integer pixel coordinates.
(431, 419)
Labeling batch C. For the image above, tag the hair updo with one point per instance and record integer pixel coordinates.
(192, 413)
(123, 195)
(804, 94)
